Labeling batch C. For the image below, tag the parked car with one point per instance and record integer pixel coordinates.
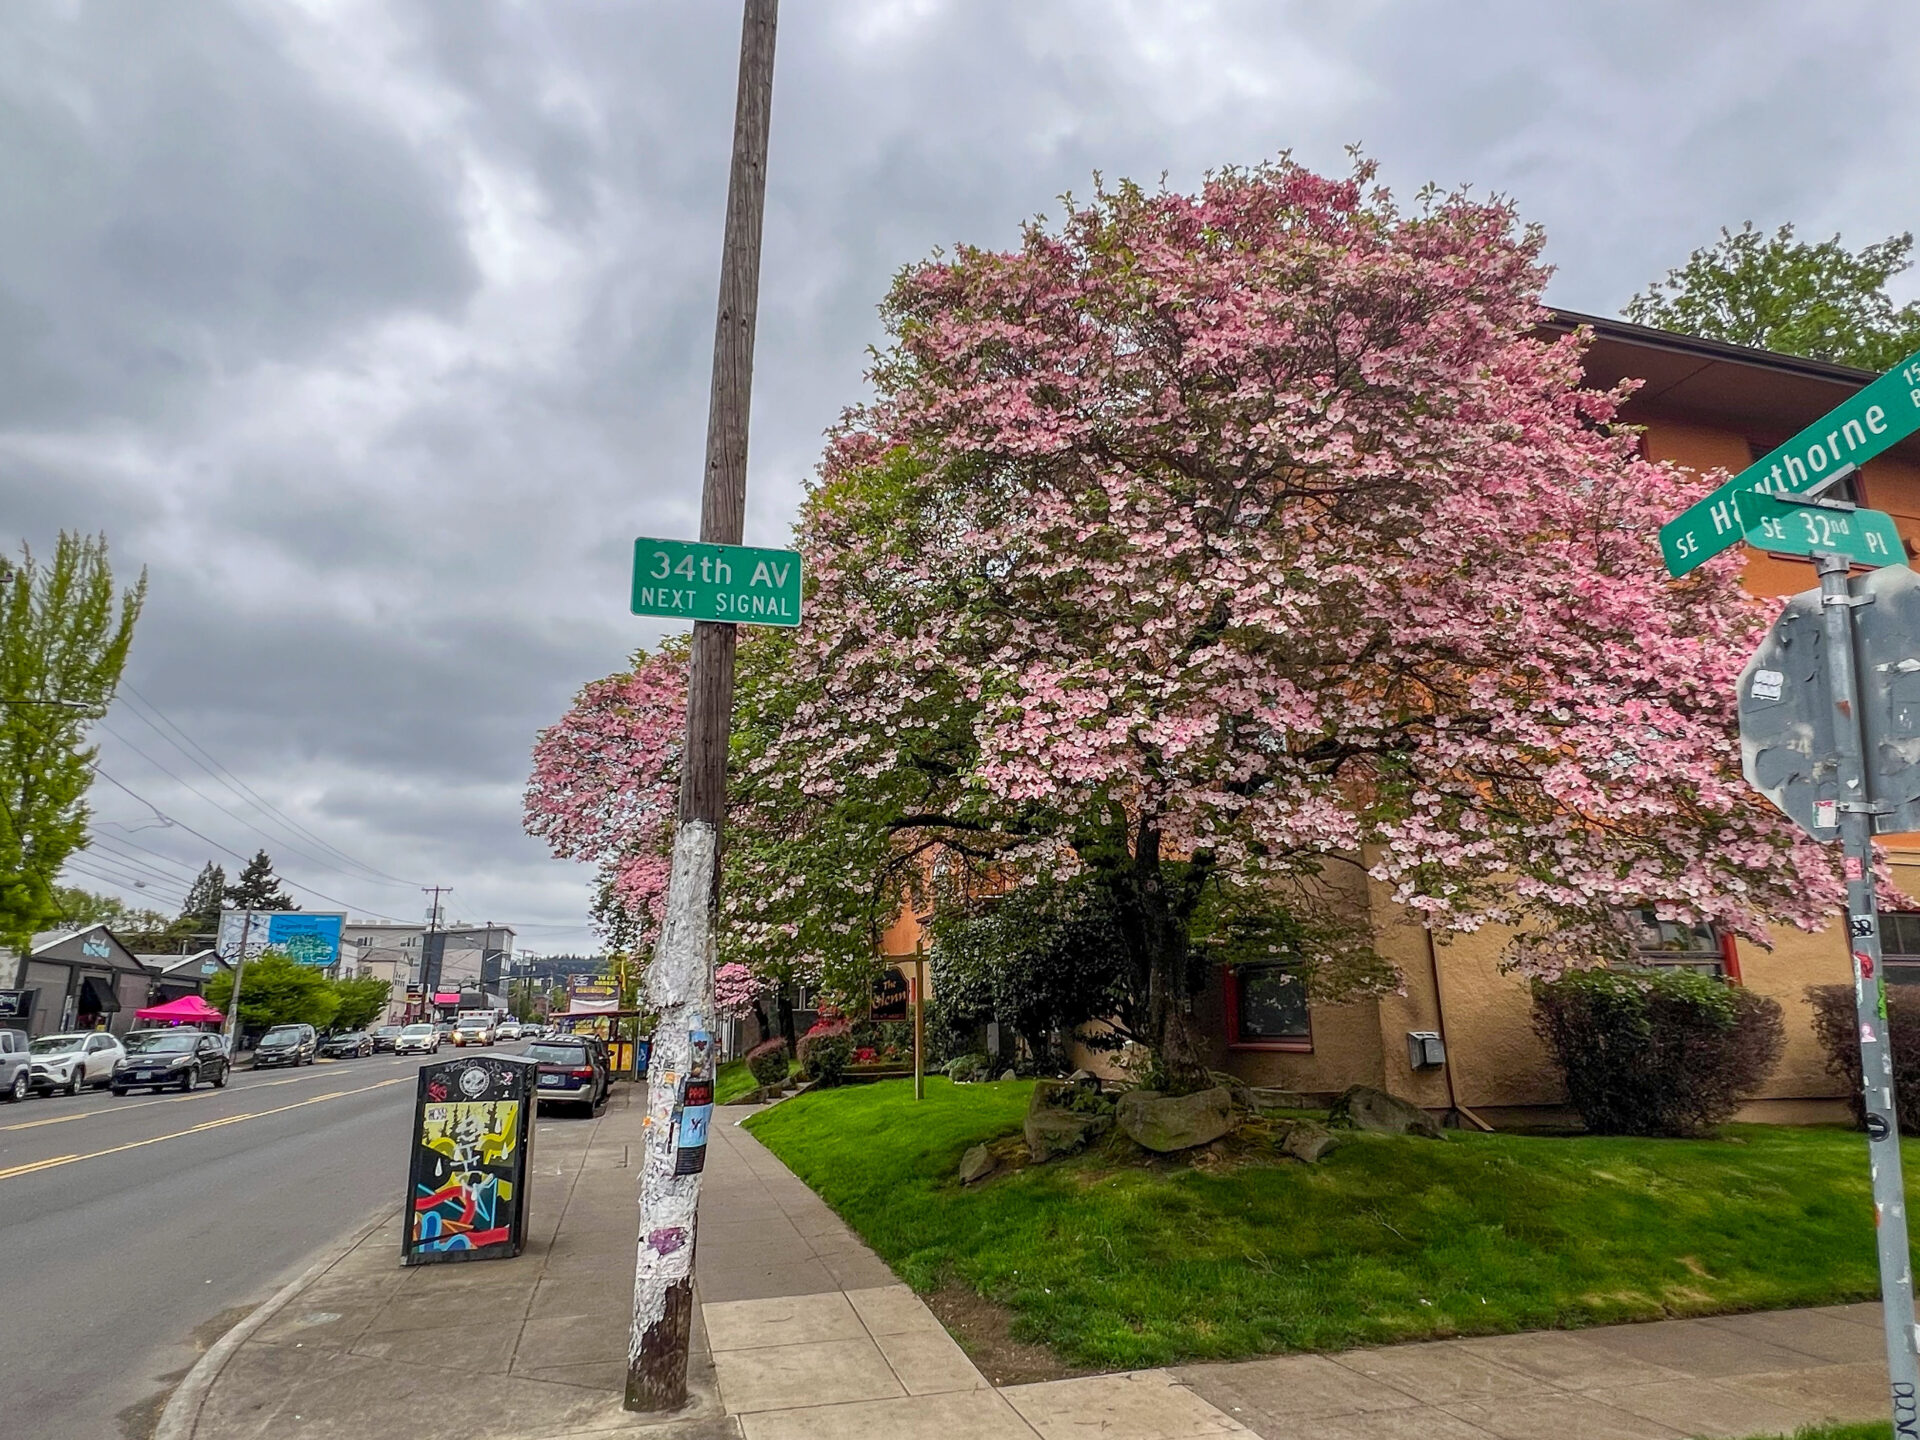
(349, 1046)
(508, 1030)
(166, 1059)
(421, 1039)
(286, 1045)
(573, 1071)
(71, 1062)
(473, 1030)
(384, 1039)
(16, 1066)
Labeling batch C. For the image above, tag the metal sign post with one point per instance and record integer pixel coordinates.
(1855, 811)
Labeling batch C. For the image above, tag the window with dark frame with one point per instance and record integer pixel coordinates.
(1900, 946)
(1673, 945)
(1269, 1006)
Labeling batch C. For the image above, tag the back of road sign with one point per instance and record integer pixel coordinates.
(1786, 720)
(1786, 711)
(1887, 639)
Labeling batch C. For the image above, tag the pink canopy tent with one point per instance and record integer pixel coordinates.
(187, 1010)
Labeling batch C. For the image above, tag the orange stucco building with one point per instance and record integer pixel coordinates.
(1700, 404)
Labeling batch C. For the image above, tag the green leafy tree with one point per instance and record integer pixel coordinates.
(258, 888)
(63, 644)
(1820, 300)
(140, 930)
(362, 1001)
(278, 990)
(200, 914)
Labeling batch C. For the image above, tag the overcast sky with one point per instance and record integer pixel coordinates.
(377, 329)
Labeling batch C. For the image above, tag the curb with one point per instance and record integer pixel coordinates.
(182, 1412)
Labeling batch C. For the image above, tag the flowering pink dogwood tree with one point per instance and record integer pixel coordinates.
(1210, 541)
(605, 778)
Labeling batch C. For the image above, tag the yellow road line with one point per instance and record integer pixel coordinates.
(121, 1108)
(196, 1129)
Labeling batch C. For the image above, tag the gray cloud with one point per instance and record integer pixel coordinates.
(378, 328)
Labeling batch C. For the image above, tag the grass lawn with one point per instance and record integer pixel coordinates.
(1115, 1263)
(1880, 1430)
(733, 1082)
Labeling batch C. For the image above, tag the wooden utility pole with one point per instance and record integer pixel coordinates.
(680, 980)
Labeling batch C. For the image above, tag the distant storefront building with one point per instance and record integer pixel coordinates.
(81, 980)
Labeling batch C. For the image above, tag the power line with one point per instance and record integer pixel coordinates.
(277, 842)
(94, 871)
(167, 819)
(206, 761)
(130, 862)
(152, 858)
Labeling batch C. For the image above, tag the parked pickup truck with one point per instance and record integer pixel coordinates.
(15, 1081)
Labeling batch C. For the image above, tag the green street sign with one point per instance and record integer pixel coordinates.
(1879, 416)
(1804, 527)
(692, 581)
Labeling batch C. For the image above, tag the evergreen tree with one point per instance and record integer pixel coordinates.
(200, 915)
(1777, 293)
(258, 888)
(62, 648)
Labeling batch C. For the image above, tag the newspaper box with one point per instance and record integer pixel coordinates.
(472, 1153)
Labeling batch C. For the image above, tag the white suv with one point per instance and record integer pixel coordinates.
(69, 1062)
(423, 1039)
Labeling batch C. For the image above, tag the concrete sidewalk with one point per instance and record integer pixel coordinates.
(530, 1347)
(803, 1334)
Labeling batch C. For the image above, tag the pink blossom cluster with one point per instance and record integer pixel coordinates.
(606, 776)
(735, 988)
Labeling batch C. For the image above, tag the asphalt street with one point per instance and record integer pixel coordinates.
(129, 1224)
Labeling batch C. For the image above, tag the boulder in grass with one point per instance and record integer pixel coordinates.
(1307, 1142)
(1166, 1123)
(1053, 1129)
(977, 1164)
(1364, 1108)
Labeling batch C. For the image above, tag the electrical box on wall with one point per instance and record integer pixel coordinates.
(1425, 1050)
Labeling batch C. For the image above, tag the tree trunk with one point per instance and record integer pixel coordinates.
(1161, 938)
(786, 1022)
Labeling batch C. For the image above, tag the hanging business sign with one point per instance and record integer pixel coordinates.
(592, 995)
(891, 994)
(471, 1155)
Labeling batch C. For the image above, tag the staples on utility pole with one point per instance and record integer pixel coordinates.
(680, 980)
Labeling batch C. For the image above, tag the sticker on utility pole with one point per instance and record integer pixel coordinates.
(692, 1121)
(1767, 685)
